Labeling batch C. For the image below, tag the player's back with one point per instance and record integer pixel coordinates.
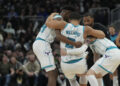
(73, 33)
(102, 45)
(46, 34)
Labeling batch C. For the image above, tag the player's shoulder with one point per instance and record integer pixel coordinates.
(68, 25)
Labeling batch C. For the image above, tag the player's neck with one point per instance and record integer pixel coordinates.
(75, 23)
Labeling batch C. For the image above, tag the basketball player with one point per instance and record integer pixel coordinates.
(108, 63)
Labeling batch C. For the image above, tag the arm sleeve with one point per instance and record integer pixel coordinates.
(78, 51)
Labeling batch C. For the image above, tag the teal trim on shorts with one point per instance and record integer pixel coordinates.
(111, 47)
(105, 69)
(40, 39)
(47, 66)
(73, 61)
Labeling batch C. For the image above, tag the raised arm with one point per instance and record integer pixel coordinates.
(55, 24)
(93, 32)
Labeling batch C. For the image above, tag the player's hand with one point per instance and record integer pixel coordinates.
(78, 44)
(63, 52)
(87, 41)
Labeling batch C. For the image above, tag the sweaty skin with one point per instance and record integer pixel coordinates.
(118, 40)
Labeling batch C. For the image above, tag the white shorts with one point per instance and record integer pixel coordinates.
(71, 68)
(43, 52)
(108, 63)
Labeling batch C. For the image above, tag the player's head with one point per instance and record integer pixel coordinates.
(88, 19)
(90, 38)
(74, 16)
(65, 12)
(58, 17)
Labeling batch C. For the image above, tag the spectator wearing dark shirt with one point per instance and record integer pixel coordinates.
(88, 19)
(5, 71)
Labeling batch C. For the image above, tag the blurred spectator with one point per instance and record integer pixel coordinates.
(5, 71)
(18, 78)
(12, 13)
(32, 69)
(21, 58)
(9, 42)
(1, 25)
(20, 30)
(9, 29)
(8, 53)
(113, 33)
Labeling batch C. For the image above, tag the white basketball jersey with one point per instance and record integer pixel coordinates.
(47, 34)
(73, 33)
(101, 45)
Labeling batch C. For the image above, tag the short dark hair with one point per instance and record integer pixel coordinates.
(74, 16)
(68, 7)
(89, 14)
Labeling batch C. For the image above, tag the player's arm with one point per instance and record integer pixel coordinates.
(76, 51)
(62, 38)
(118, 40)
(55, 24)
(96, 56)
(93, 32)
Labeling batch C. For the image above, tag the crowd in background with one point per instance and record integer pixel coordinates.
(20, 21)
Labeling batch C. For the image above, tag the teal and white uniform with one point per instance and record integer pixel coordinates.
(73, 64)
(42, 48)
(110, 56)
